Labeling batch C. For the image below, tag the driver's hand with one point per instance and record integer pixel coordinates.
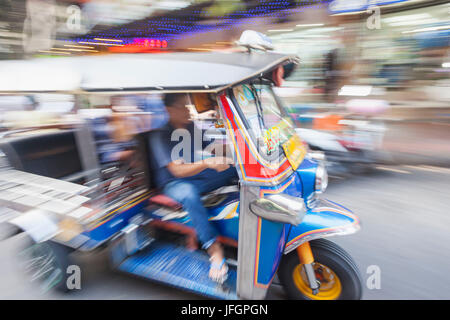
(218, 163)
(211, 114)
(179, 161)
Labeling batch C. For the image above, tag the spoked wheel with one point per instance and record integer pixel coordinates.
(335, 270)
(46, 264)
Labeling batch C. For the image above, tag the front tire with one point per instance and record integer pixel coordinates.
(335, 270)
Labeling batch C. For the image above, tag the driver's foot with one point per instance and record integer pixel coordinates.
(218, 270)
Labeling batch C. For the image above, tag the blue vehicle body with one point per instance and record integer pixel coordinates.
(265, 238)
(323, 218)
(274, 209)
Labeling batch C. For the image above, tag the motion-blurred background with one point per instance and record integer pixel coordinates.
(384, 61)
(372, 91)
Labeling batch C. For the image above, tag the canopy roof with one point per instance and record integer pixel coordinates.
(209, 72)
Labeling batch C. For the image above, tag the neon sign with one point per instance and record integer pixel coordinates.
(150, 43)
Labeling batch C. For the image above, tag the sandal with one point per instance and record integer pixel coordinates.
(222, 267)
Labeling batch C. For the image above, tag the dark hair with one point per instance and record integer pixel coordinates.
(171, 98)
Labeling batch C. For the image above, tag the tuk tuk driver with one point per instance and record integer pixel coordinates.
(186, 181)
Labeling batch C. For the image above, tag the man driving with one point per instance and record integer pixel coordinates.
(185, 177)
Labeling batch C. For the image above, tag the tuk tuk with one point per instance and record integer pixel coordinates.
(272, 221)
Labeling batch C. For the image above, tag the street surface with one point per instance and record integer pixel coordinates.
(405, 232)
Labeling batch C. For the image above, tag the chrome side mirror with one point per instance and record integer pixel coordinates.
(280, 208)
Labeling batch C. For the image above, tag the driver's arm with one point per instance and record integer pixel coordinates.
(161, 154)
(182, 170)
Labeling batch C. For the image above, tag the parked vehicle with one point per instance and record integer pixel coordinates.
(354, 148)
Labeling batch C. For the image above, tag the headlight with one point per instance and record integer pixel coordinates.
(317, 155)
(321, 178)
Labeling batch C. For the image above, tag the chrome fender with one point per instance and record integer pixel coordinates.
(326, 219)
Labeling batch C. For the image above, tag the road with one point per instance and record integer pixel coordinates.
(405, 232)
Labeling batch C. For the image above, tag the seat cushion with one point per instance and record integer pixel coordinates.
(165, 201)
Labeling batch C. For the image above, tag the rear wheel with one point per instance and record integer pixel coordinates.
(335, 270)
(46, 264)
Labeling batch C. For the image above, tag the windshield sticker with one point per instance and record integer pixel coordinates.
(277, 134)
(242, 100)
(248, 93)
(295, 151)
(244, 96)
(272, 138)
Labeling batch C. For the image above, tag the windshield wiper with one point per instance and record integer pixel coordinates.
(259, 108)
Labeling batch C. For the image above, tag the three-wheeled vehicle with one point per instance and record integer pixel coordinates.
(272, 221)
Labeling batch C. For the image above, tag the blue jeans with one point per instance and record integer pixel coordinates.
(188, 192)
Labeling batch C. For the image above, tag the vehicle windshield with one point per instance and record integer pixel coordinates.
(269, 125)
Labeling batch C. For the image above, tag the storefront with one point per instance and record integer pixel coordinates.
(404, 49)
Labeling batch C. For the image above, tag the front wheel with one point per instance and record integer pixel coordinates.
(335, 270)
